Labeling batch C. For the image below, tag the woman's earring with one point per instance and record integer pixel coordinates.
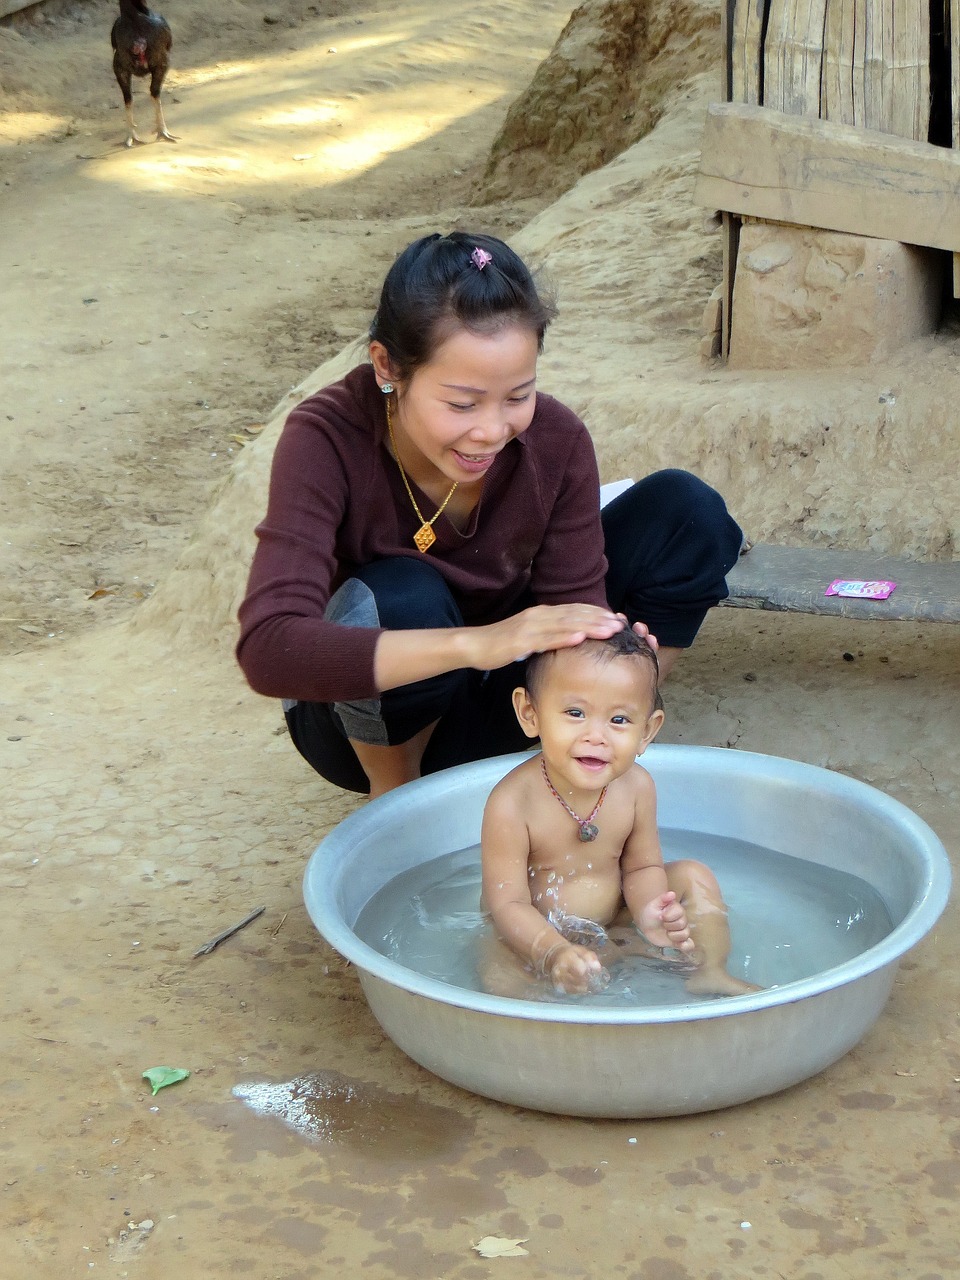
(387, 388)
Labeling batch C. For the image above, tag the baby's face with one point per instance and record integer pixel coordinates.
(595, 718)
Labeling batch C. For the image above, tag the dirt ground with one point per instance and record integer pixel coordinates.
(160, 302)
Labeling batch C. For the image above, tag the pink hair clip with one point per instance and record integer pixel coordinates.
(480, 258)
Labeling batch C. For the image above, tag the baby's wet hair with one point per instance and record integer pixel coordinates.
(625, 644)
(436, 286)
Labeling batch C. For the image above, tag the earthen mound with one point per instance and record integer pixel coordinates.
(605, 84)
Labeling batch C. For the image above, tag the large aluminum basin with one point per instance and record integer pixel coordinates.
(652, 1061)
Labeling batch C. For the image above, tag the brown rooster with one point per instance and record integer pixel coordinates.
(141, 46)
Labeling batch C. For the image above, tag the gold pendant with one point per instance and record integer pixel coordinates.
(424, 538)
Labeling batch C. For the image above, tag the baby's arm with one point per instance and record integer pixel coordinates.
(655, 910)
(505, 855)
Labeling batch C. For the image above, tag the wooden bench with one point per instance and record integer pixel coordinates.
(793, 580)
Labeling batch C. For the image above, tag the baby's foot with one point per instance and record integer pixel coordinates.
(717, 982)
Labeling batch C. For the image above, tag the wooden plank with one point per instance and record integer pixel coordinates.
(952, 15)
(746, 34)
(731, 243)
(726, 49)
(905, 70)
(793, 580)
(815, 173)
(876, 17)
(859, 58)
(793, 56)
(836, 89)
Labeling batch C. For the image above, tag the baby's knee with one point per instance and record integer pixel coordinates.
(689, 878)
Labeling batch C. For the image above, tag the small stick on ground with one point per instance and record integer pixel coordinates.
(228, 933)
(280, 925)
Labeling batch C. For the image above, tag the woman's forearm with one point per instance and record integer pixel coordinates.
(403, 657)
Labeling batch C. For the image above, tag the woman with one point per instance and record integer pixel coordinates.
(433, 519)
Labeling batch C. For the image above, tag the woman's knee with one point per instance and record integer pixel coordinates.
(409, 594)
(683, 499)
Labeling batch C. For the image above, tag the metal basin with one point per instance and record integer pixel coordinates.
(650, 1061)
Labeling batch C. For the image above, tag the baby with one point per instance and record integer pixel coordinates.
(569, 840)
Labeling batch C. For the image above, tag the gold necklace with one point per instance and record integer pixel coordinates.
(424, 538)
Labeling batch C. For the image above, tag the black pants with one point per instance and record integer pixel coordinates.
(669, 542)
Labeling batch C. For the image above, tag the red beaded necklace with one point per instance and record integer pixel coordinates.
(588, 828)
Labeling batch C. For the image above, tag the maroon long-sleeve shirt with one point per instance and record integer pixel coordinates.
(337, 502)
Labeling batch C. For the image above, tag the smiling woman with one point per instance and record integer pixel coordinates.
(433, 519)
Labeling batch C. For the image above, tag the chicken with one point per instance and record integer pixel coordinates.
(141, 46)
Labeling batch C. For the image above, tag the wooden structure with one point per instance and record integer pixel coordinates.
(790, 168)
(840, 114)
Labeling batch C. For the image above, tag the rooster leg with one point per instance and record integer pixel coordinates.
(162, 131)
(131, 125)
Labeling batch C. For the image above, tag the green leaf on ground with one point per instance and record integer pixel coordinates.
(160, 1077)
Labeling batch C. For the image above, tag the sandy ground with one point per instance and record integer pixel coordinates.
(160, 302)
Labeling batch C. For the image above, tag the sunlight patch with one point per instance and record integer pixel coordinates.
(24, 126)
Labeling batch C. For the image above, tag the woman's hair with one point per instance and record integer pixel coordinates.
(435, 286)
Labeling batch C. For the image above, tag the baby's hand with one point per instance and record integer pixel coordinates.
(575, 970)
(664, 923)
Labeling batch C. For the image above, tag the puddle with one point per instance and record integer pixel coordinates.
(327, 1107)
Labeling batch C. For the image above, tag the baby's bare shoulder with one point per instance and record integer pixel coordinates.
(637, 779)
(638, 786)
(512, 792)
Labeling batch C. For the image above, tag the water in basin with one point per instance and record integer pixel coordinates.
(789, 919)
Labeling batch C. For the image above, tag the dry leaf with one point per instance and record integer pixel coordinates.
(496, 1247)
(100, 593)
(255, 428)
(240, 439)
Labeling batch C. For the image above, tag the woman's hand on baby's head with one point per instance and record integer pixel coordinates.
(664, 923)
(535, 630)
(576, 970)
(643, 631)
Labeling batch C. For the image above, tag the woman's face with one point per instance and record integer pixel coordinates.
(475, 395)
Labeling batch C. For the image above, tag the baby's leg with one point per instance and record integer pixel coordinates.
(699, 894)
(502, 972)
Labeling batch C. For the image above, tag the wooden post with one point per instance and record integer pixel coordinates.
(953, 17)
(836, 90)
(731, 240)
(793, 56)
(746, 55)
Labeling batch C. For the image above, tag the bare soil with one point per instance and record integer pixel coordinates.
(164, 306)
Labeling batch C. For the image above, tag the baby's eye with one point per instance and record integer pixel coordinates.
(575, 712)
(619, 719)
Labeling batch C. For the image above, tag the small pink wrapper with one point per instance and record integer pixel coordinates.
(861, 590)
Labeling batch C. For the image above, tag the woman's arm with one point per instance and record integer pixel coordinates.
(402, 657)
